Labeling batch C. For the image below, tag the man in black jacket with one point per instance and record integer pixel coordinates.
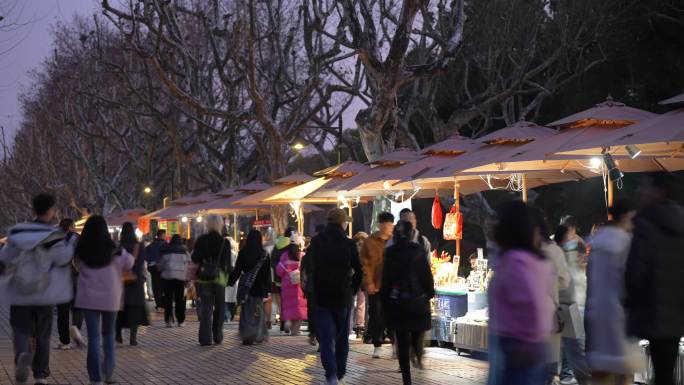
(655, 292)
(335, 275)
(152, 258)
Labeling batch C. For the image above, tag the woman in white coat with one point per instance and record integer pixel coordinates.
(231, 291)
(611, 356)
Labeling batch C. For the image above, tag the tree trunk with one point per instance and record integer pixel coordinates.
(280, 218)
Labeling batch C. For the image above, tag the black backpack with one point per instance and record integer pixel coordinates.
(333, 271)
(405, 293)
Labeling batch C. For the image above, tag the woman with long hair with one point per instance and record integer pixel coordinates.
(293, 303)
(253, 265)
(101, 267)
(407, 287)
(522, 308)
(134, 312)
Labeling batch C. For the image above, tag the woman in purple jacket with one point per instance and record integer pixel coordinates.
(521, 305)
(100, 286)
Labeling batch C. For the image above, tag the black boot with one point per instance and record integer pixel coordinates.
(134, 336)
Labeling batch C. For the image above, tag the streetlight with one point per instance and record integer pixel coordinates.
(147, 190)
(298, 146)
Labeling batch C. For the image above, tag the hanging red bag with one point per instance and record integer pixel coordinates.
(453, 225)
(437, 216)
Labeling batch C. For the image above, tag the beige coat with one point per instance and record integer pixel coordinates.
(560, 269)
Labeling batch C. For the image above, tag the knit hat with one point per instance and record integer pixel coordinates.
(338, 216)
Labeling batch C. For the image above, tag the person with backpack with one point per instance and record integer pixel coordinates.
(335, 272)
(65, 311)
(407, 287)
(134, 312)
(212, 255)
(294, 304)
(173, 266)
(152, 258)
(101, 271)
(253, 270)
(37, 259)
(280, 247)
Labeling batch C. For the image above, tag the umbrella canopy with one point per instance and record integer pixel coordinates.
(121, 217)
(583, 129)
(661, 136)
(186, 205)
(608, 113)
(493, 146)
(373, 178)
(280, 185)
(322, 189)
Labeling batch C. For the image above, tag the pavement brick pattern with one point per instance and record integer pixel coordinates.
(173, 356)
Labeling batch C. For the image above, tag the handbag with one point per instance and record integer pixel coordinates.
(247, 281)
(295, 277)
(129, 276)
(453, 225)
(209, 270)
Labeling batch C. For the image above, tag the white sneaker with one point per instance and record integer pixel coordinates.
(569, 381)
(169, 325)
(180, 325)
(21, 371)
(376, 352)
(62, 346)
(77, 337)
(41, 381)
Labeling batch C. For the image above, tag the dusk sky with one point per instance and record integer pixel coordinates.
(24, 46)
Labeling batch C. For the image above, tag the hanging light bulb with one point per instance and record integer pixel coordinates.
(184, 219)
(633, 150)
(613, 171)
(595, 162)
(199, 219)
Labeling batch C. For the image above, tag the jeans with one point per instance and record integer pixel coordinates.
(376, 322)
(524, 363)
(360, 310)
(100, 323)
(63, 324)
(574, 358)
(332, 326)
(664, 355)
(32, 321)
(174, 291)
(407, 340)
(230, 311)
(157, 286)
(212, 310)
(311, 310)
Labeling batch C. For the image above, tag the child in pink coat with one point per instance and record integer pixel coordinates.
(293, 302)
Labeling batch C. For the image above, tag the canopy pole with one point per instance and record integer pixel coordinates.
(300, 220)
(351, 221)
(524, 188)
(457, 205)
(235, 228)
(611, 194)
(256, 214)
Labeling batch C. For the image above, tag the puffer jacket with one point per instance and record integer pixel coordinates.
(27, 236)
(607, 346)
(653, 277)
(173, 263)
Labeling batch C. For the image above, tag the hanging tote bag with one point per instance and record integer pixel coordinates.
(437, 215)
(453, 225)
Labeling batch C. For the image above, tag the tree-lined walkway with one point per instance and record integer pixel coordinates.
(172, 356)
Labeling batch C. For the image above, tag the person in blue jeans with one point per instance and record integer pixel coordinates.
(334, 274)
(101, 267)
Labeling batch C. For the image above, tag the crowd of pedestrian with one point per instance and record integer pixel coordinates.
(562, 309)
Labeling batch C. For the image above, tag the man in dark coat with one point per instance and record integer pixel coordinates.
(152, 258)
(655, 267)
(335, 275)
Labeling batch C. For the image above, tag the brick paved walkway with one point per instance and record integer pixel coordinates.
(172, 356)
